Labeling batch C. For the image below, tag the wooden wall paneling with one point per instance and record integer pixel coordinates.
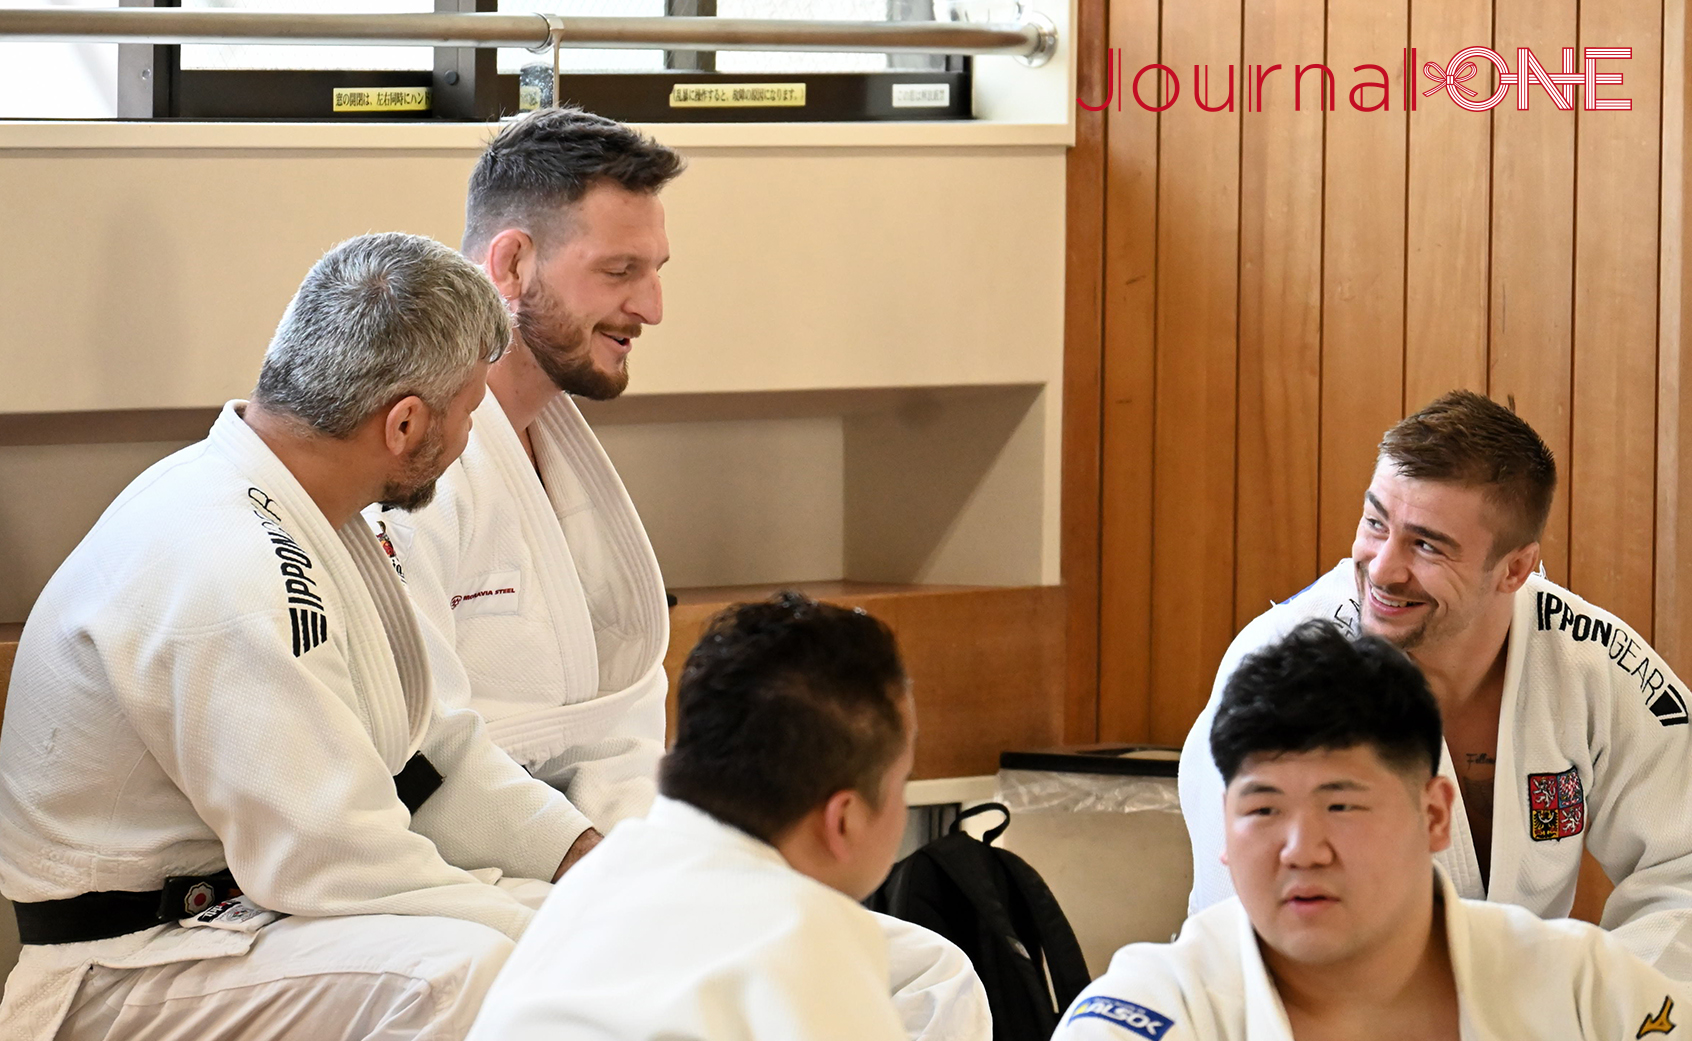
(1445, 320)
(986, 663)
(1130, 304)
(1363, 266)
(1197, 352)
(1673, 637)
(1533, 181)
(1083, 358)
(1280, 363)
(1613, 465)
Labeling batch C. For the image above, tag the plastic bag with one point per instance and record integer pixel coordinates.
(1051, 790)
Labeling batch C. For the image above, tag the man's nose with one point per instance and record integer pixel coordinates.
(1306, 841)
(1391, 564)
(647, 303)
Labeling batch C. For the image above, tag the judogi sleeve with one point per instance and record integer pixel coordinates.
(488, 811)
(817, 986)
(1136, 1000)
(1618, 996)
(1638, 826)
(269, 751)
(616, 776)
(936, 991)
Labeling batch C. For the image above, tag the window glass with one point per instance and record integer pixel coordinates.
(242, 56)
(58, 80)
(803, 61)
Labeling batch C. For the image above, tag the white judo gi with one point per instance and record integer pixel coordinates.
(549, 592)
(1518, 979)
(215, 677)
(1593, 748)
(679, 926)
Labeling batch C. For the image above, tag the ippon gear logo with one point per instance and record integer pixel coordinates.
(1662, 699)
(306, 614)
(1461, 79)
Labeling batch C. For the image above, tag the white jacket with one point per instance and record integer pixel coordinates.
(215, 677)
(1518, 979)
(551, 598)
(678, 926)
(1593, 749)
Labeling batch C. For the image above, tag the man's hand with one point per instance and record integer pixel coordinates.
(578, 849)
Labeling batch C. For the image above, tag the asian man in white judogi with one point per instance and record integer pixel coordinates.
(1344, 928)
(1563, 728)
(731, 911)
(230, 805)
(533, 560)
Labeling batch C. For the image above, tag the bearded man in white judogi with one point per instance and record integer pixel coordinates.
(230, 806)
(1563, 728)
(533, 561)
(1344, 928)
(731, 911)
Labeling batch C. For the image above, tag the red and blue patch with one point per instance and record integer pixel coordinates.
(1556, 805)
(1131, 1017)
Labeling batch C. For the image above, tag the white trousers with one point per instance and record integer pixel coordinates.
(936, 992)
(359, 978)
(387, 977)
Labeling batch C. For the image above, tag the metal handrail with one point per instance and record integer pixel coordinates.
(1033, 41)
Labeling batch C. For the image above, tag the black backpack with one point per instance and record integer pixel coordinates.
(993, 905)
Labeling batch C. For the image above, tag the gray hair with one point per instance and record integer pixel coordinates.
(378, 318)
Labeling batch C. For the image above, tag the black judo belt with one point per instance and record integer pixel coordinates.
(101, 916)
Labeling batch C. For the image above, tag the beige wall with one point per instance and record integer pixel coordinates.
(848, 381)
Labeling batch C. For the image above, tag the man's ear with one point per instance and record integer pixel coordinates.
(1439, 797)
(1518, 565)
(1223, 856)
(839, 823)
(510, 261)
(404, 425)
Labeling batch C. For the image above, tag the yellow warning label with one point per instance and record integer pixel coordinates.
(737, 95)
(382, 99)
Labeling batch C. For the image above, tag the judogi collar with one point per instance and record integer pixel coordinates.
(352, 557)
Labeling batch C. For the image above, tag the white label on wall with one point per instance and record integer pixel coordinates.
(922, 95)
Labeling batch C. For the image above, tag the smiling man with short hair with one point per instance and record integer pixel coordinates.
(533, 564)
(1564, 730)
(1343, 928)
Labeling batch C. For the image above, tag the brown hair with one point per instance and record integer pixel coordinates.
(543, 163)
(1467, 438)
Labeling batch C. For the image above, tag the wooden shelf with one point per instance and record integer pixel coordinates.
(986, 662)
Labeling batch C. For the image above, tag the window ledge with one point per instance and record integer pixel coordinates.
(471, 137)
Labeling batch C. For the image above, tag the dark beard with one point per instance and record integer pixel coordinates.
(393, 498)
(415, 488)
(560, 347)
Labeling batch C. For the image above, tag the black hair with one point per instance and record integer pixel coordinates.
(1319, 689)
(782, 704)
(546, 161)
